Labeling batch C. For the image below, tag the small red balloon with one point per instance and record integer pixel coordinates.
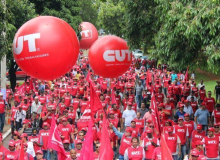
(110, 57)
(89, 35)
(46, 47)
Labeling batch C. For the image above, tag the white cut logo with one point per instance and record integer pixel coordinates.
(31, 43)
(111, 55)
(86, 34)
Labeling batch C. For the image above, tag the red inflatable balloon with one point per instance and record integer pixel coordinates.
(45, 47)
(89, 35)
(110, 56)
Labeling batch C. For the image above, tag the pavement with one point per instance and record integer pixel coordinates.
(6, 134)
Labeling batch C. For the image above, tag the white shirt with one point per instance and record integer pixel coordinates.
(34, 107)
(200, 85)
(20, 115)
(128, 115)
(189, 98)
(30, 149)
(126, 154)
(188, 110)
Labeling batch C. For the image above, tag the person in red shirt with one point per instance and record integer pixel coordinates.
(135, 152)
(36, 140)
(67, 99)
(135, 130)
(149, 143)
(27, 156)
(2, 149)
(194, 104)
(202, 94)
(211, 145)
(210, 102)
(183, 133)
(11, 153)
(216, 127)
(159, 96)
(186, 90)
(176, 91)
(199, 148)
(78, 144)
(96, 153)
(169, 106)
(13, 111)
(65, 129)
(44, 133)
(197, 134)
(139, 123)
(66, 144)
(158, 86)
(3, 108)
(189, 124)
(166, 80)
(39, 155)
(113, 119)
(157, 154)
(216, 114)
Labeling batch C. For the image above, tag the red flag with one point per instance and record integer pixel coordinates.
(88, 77)
(21, 155)
(113, 97)
(31, 84)
(105, 151)
(155, 115)
(21, 88)
(95, 103)
(87, 148)
(54, 141)
(148, 78)
(186, 78)
(165, 152)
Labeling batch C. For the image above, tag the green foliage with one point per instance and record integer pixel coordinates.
(16, 14)
(111, 17)
(189, 33)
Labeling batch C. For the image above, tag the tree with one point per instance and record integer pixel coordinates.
(68, 10)
(89, 11)
(189, 33)
(111, 17)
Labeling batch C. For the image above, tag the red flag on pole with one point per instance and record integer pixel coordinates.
(155, 115)
(21, 155)
(21, 88)
(54, 141)
(165, 152)
(113, 97)
(87, 148)
(31, 84)
(105, 151)
(95, 103)
(88, 77)
(186, 78)
(148, 78)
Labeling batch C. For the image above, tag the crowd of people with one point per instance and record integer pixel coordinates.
(188, 115)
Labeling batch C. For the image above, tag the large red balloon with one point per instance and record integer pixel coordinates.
(89, 35)
(110, 56)
(45, 47)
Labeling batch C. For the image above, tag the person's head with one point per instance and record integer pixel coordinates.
(149, 110)
(46, 126)
(192, 99)
(66, 144)
(218, 107)
(149, 133)
(64, 121)
(218, 82)
(25, 146)
(138, 115)
(78, 144)
(201, 81)
(11, 145)
(20, 108)
(34, 131)
(39, 154)
(135, 142)
(211, 132)
(199, 144)
(128, 132)
(209, 94)
(81, 135)
(194, 155)
(168, 122)
(36, 99)
(180, 121)
(16, 103)
(203, 106)
(114, 106)
(15, 135)
(187, 117)
(133, 124)
(111, 114)
(143, 105)
(97, 146)
(139, 83)
(101, 97)
(181, 107)
(199, 128)
(216, 127)
(170, 130)
(129, 105)
(73, 153)
(168, 99)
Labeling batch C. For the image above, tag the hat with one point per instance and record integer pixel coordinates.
(11, 143)
(133, 121)
(25, 121)
(203, 104)
(78, 141)
(148, 131)
(39, 152)
(128, 130)
(194, 153)
(180, 118)
(198, 142)
(211, 129)
(24, 135)
(216, 124)
(181, 105)
(199, 126)
(64, 119)
(111, 112)
(149, 121)
(46, 124)
(19, 106)
(129, 103)
(170, 129)
(186, 101)
(16, 133)
(148, 92)
(66, 141)
(186, 115)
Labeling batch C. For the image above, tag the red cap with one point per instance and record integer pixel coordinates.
(78, 141)
(183, 98)
(133, 121)
(16, 133)
(148, 131)
(199, 126)
(186, 115)
(111, 112)
(180, 118)
(64, 119)
(129, 103)
(216, 124)
(211, 129)
(11, 143)
(186, 101)
(170, 129)
(24, 135)
(66, 141)
(194, 153)
(198, 142)
(203, 104)
(181, 105)
(39, 152)
(46, 124)
(128, 129)
(149, 121)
